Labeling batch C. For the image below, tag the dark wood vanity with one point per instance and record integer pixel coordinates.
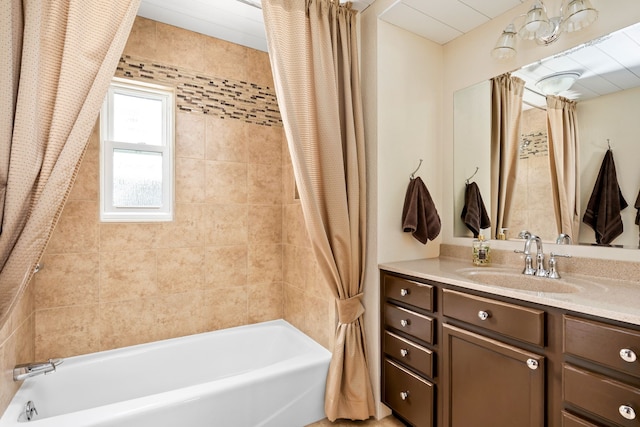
(457, 357)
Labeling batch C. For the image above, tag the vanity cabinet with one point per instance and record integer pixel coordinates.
(408, 337)
(487, 382)
(601, 376)
(457, 357)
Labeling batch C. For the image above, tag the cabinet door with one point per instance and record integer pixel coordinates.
(490, 384)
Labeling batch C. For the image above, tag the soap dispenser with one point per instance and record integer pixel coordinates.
(481, 251)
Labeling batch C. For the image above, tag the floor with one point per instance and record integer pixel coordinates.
(385, 422)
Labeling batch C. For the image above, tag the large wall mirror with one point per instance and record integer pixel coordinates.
(603, 77)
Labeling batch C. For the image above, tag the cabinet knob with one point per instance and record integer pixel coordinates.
(404, 395)
(532, 364)
(483, 315)
(628, 355)
(404, 352)
(627, 412)
(404, 292)
(404, 323)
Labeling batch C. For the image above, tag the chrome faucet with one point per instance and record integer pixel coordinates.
(563, 239)
(27, 370)
(539, 271)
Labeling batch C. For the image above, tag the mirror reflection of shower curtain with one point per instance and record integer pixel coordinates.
(506, 112)
(562, 131)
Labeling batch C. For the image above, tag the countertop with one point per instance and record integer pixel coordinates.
(608, 298)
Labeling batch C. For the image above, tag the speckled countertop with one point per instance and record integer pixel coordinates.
(609, 298)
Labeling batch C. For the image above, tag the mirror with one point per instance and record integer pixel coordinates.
(607, 93)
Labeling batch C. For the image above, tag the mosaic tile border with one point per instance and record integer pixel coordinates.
(198, 93)
(534, 144)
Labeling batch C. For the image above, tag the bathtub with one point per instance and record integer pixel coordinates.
(267, 374)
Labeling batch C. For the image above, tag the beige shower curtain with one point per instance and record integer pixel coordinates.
(58, 57)
(314, 58)
(562, 130)
(506, 112)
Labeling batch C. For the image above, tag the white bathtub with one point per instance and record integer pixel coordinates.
(268, 374)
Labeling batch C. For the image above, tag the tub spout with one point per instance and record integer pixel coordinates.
(27, 370)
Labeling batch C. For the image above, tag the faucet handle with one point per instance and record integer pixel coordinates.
(553, 271)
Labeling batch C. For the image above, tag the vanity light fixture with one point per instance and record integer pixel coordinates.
(537, 25)
(556, 83)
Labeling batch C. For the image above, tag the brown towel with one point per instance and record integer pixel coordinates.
(605, 204)
(474, 213)
(637, 206)
(419, 214)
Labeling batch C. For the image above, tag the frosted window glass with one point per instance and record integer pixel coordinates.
(137, 119)
(137, 178)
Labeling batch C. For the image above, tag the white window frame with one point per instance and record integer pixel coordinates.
(109, 212)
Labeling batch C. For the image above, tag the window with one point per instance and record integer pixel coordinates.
(136, 161)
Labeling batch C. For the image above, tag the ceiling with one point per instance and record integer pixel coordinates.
(612, 63)
(240, 22)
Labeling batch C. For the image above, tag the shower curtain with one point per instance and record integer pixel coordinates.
(58, 58)
(314, 58)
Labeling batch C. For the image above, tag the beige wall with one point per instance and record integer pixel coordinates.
(401, 78)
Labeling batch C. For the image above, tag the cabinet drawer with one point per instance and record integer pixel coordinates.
(408, 353)
(407, 291)
(601, 396)
(605, 344)
(525, 324)
(570, 420)
(408, 395)
(407, 321)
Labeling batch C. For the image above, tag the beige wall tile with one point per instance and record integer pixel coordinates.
(294, 306)
(179, 47)
(264, 184)
(265, 224)
(225, 59)
(127, 275)
(226, 182)
(259, 68)
(190, 180)
(226, 225)
(265, 302)
(226, 266)
(295, 232)
(77, 229)
(264, 264)
(180, 270)
(116, 237)
(320, 323)
(67, 331)
(186, 230)
(190, 135)
(142, 39)
(150, 319)
(265, 144)
(8, 359)
(67, 279)
(227, 139)
(225, 308)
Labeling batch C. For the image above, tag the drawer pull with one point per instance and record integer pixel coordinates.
(404, 352)
(483, 315)
(404, 292)
(627, 412)
(404, 395)
(532, 364)
(404, 323)
(628, 355)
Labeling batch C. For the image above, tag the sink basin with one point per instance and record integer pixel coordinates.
(516, 280)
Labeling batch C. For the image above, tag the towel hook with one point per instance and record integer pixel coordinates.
(414, 172)
(474, 174)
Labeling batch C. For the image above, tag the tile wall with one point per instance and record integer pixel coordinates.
(237, 251)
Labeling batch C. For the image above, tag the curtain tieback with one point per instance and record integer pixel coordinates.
(350, 309)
